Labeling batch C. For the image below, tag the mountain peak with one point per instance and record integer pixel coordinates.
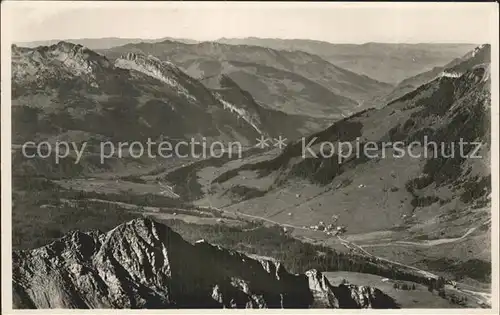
(478, 56)
(58, 61)
(144, 264)
(480, 48)
(68, 45)
(81, 55)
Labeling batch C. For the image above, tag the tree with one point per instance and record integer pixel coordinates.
(440, 283)
(441, 293)
(430, 286)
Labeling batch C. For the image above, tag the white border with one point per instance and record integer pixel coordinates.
(6, 148)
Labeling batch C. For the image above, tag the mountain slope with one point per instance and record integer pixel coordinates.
(262, 117)
(480, 55)
(435, 201)
(385, 62)
(440, 111)
(144, 264)
(268, 74)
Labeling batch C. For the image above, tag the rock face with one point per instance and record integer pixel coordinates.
(56, 62)
(168, 73)
(144, 264)
(454, 69)
(161, 70)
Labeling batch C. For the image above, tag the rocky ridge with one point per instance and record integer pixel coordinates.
(478, 56)
(154, 67)
(168, 73)
(33, 65)
(144, 264)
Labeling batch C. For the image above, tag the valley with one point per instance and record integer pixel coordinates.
(415, 231)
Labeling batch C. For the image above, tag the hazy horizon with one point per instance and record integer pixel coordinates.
(340, 23)
(167, 37)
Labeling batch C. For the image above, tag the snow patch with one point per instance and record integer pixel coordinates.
(451, 74)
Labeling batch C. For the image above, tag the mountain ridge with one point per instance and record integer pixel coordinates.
(98, 43)
(282, 72)
(144, 264)
(386, 62)
(479, 55)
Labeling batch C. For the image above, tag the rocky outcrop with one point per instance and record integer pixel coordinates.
(144, 264)
(162, 70)
(168, 73)
(480, 55)
(252, 120)
(321, 290)
(450, 74)
(77, 58)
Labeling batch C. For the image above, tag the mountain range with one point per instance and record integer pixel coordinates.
(66, 87)
(294, 82)
(149, 95)
(101, 43)
(385, 62)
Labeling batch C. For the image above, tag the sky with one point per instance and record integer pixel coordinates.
(332, 22)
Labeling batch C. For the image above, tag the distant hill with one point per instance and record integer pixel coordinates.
(294, 82)
(102, 43)
(384, 62)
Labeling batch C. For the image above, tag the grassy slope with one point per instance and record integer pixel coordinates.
(418, 298)
(403, 198)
